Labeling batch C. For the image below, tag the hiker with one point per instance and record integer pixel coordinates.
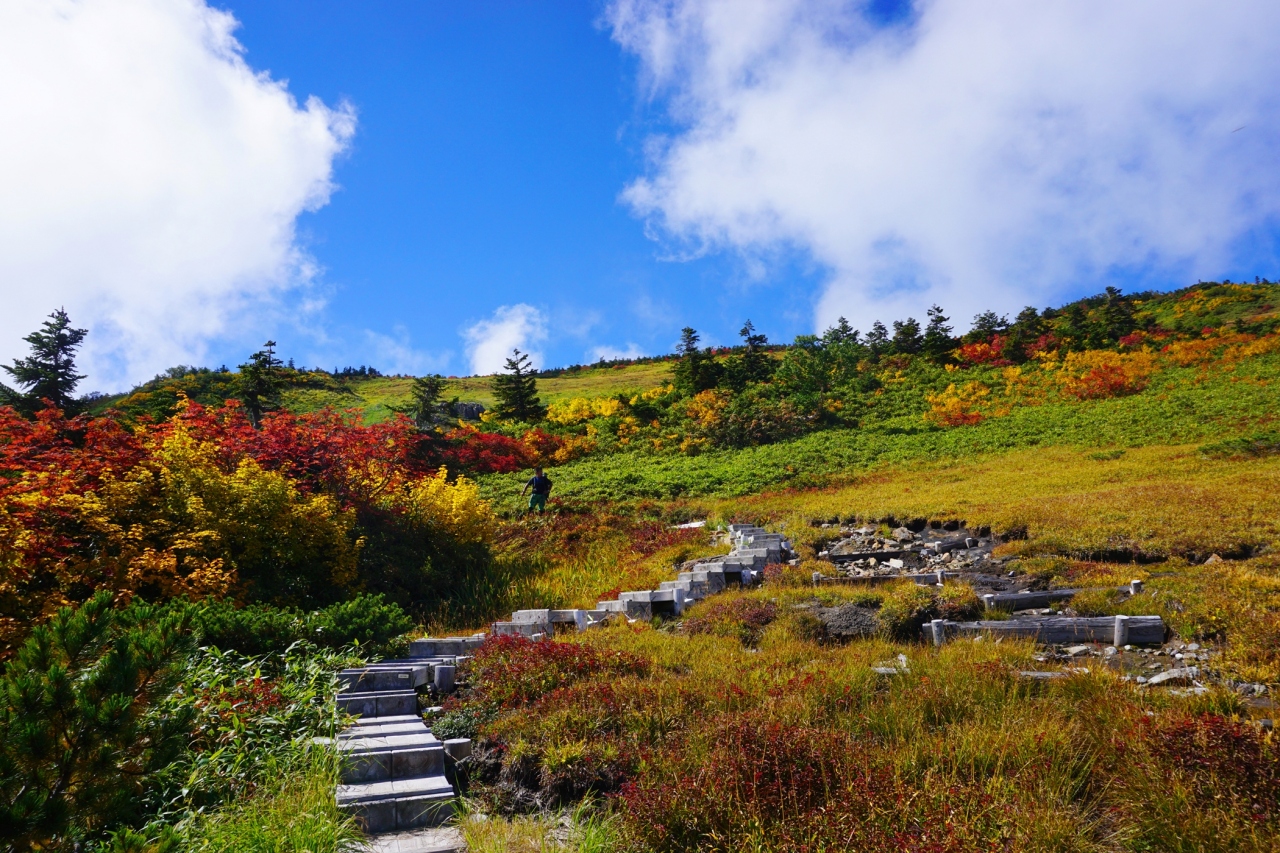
(541, 485)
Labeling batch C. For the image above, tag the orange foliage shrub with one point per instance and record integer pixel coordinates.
(1098, 374)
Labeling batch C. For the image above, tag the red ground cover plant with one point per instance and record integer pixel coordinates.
(752, 783)
(510, 671)
(1228, 761)
(744, 618)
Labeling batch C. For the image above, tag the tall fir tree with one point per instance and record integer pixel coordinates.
(938, 342)
(877, 339)
(427, 407)
(907, 339)
(49, 373)
(261, 379)
(517, 390)
(697, 370)
(756, 366)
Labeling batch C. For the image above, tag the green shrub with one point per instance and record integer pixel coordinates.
(958, 602)
(258, 629)
(85, 730)
(905, 608)
(366, 619)
(254, 629)
(1259, 444)
(463, 722)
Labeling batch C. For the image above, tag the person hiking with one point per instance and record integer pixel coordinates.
(541, 485)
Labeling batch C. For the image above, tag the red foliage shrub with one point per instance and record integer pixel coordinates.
(541, 446)
(510, 672)
(991, 352)
(472, 451)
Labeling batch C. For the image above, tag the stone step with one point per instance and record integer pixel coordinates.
(443, 839)
(382, 677)
(520, 629)
(693, 590)
(429, 647)
(386, 721)
(379, 704)
(380, 759)
(713, 578)
(412, 726)
(399, 804)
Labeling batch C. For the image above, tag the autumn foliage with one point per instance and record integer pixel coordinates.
(301, 512)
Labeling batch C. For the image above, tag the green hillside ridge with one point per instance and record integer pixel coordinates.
(1186, 310)
(1182, 406)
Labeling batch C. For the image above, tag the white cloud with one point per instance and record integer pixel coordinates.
(490, 342)
(395, 353)
(608, 353)
(988, 153)
(151, 178)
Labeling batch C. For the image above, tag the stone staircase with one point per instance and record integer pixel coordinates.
(753, 548)
(397, 775)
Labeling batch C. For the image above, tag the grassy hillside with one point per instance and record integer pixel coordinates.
(1182, 405)
(376, 396)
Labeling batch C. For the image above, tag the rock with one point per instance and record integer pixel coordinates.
(902, 534)
(850, 621)
(1182, 675)
(896, 564)
(1213, 558)
(1110, 650)
(1193, 647)
(1076, 651)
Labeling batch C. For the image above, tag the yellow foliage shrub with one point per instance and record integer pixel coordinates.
(707, 406)
(581, 409)
(176, 524)
(957, 406)
(456, 508)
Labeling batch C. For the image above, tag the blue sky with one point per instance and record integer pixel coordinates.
(419, 185)
(493, 142)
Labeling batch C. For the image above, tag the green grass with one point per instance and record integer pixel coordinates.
(296, 814)
(1181, 406)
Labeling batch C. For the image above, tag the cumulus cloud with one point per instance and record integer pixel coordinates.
(152, 179)
(981, 153)
(490, 342)
(608, 353)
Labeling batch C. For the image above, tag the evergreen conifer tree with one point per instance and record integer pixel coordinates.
(426, 407)
(697, 370)
(907, 339)
(260, 381)
(1026, 330)
(877, 339)
(937, 336)
(756, 366)
(840, 333)
(517, 390)
(1115, 318)
(49, 373)
(985, 325)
